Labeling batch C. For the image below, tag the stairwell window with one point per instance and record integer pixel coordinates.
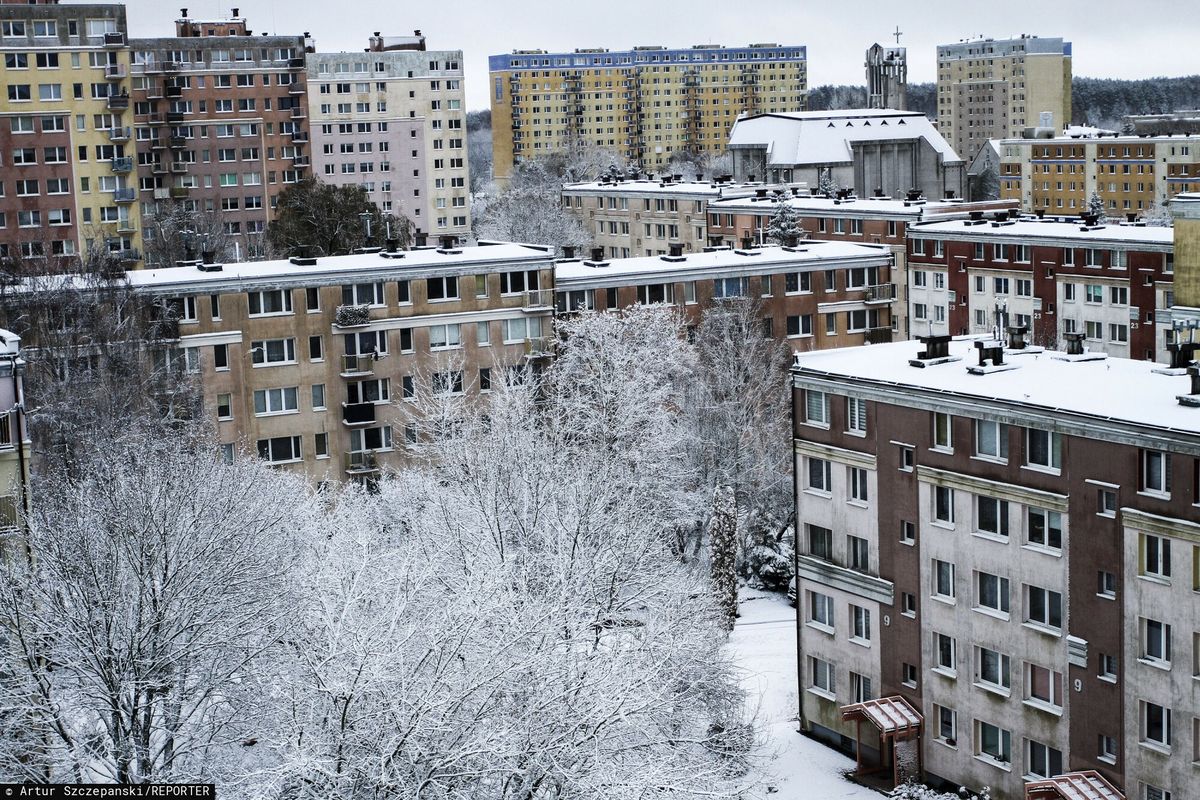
(1154, 556)
(816, 408)
(1156, 472)
(856, 415)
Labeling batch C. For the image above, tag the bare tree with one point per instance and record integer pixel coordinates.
(134, 636)
(176, 233)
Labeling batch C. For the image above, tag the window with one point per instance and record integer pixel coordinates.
(992, 669)
(856, 415)
(820, 610)
(271, 301)
(942, 432)
(816, 408)
(908, 459)
(224, 406)
(318, 396)
(316, 348)
(519, 329)
(820, 542)
(1154, 556)
(859, 552)
(1156, 641)
(1043, 449)
(943, 504)
(992, 592)
(860, 688)
(363, 294)
(321, 445)
(799, 325)
(483, 334)
(1043, 607)
(991, 516)
(220, 357)
(1106, 584)
(443, 288)
(857, 477)
(1106, 502)
(993, 742)
(943, 579)
(1045, 528)
(280, 450)
(1107, 750)
(991, 439)
(274, 351)
(515, 282)
(797, 282)
(1043, 686)
(364, 440)
(944, 648)
(276, 401)
(444, 337)
(377, 390)
(1042, 760)
(908, 604)
(908, 674)
(908, 532)
(820, 475)
(448, 382)
(946, 722)
(1108, 667)
(1156, 472)
(821, 676)
(1156, 724)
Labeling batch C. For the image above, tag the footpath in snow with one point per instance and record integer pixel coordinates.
(764, 647)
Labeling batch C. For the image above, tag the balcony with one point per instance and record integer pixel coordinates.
(537, 300)
(299, 136)
(122, 164)
(179, 167)
(295, 63)
(115, 72)
(878, 335)
(300, 161)
(361, 463)
(179, 192)
(155, 119)
(298, 112)
(354, 414)
(125, 225)
(539, 347)
(295, 88)
(156, 143)
(164, 329)
(118, 135)
(162, 193)
(173, 91)
(114, 40)
(881, 293)
(125, 195)
(170, 66)
(357, 366)
(174, 117)
(153, 91)
(118, 102)
(351, 316)
(176, 141)
(158, 168)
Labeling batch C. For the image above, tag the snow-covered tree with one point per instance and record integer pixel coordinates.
(1095, 207)
(723, 544)
(138, 637)
(784, 225)
(911, 790)
(827, 184)
(1158, 216)
(530, 214)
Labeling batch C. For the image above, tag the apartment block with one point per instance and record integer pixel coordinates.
(64, 136)
(874, 220)
(996, 565)
(392, 120)
(642, 216)
(646, 104)
(810, 295)
(220, 123)
(1131, 174)
(869, 151)
(996, 88)
(1051, 276)
(308, 362)
(14, 438)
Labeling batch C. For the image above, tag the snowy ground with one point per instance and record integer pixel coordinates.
(764, 646)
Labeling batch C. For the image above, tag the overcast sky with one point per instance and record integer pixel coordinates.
(1111, 40)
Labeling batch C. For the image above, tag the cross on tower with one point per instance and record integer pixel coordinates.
(897, 33)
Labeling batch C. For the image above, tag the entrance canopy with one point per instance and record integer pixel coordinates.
(893, 716)
(1086, 785)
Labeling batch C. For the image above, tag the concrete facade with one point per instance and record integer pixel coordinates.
(646, 104)
(394, 122)
(995, 88)
(14, 439)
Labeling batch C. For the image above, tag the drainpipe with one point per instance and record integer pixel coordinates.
(796, 561)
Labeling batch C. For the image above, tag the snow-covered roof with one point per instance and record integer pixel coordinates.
(808, 256)
(1075, 134)
(825, 137)
(880, 207)
(1116, 399)
(1086, 785)
(639, 187)
(893, 716)
(1050, 230)
(334, 269)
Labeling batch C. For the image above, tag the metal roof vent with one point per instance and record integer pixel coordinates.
(937, 351)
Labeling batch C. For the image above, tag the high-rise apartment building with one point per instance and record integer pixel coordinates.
(220, 123)
(645, 104)
(65, 134)
(995, 88)
(392, 121)
(998, 543)
(1131, 174)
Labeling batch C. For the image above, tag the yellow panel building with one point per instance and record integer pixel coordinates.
(645, 104)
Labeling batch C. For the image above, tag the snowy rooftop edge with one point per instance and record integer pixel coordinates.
(1026, 229)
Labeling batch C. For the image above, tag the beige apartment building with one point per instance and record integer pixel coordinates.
(646, 104)
(14, 437)
(393, 121)
(1131, 174)
(996, 88)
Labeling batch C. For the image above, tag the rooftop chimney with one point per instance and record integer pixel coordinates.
(912, 194)
(1016, 337)
(598, 255)
(235, 14)
(760, 193)
(1074, 343)
(392, 245)
(1182, 354)
(1192, 398)
(791, 240)
(568, 252)
(990, 351)
(937, 350)
(420, 239)
(676, 249)
(447, 243)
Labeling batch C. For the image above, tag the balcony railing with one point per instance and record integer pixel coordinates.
(361, 463)
(115, 39)
(173, 91)
(299, 135)
(126, 195)
(126, 225)
(175, 117)
(162, 193)
(155, 119)
(356, 366)
(122, 164)
(298, 112)
(180, 192)
(538, 299)
(118, 102)
(179, 167)
(295, 63)
(538, 346)
(879, 335)
(118, 134)
(115, 72)
(881, 293)
(352, 316)
(300, 161)
(177, 141)
(358, 413)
